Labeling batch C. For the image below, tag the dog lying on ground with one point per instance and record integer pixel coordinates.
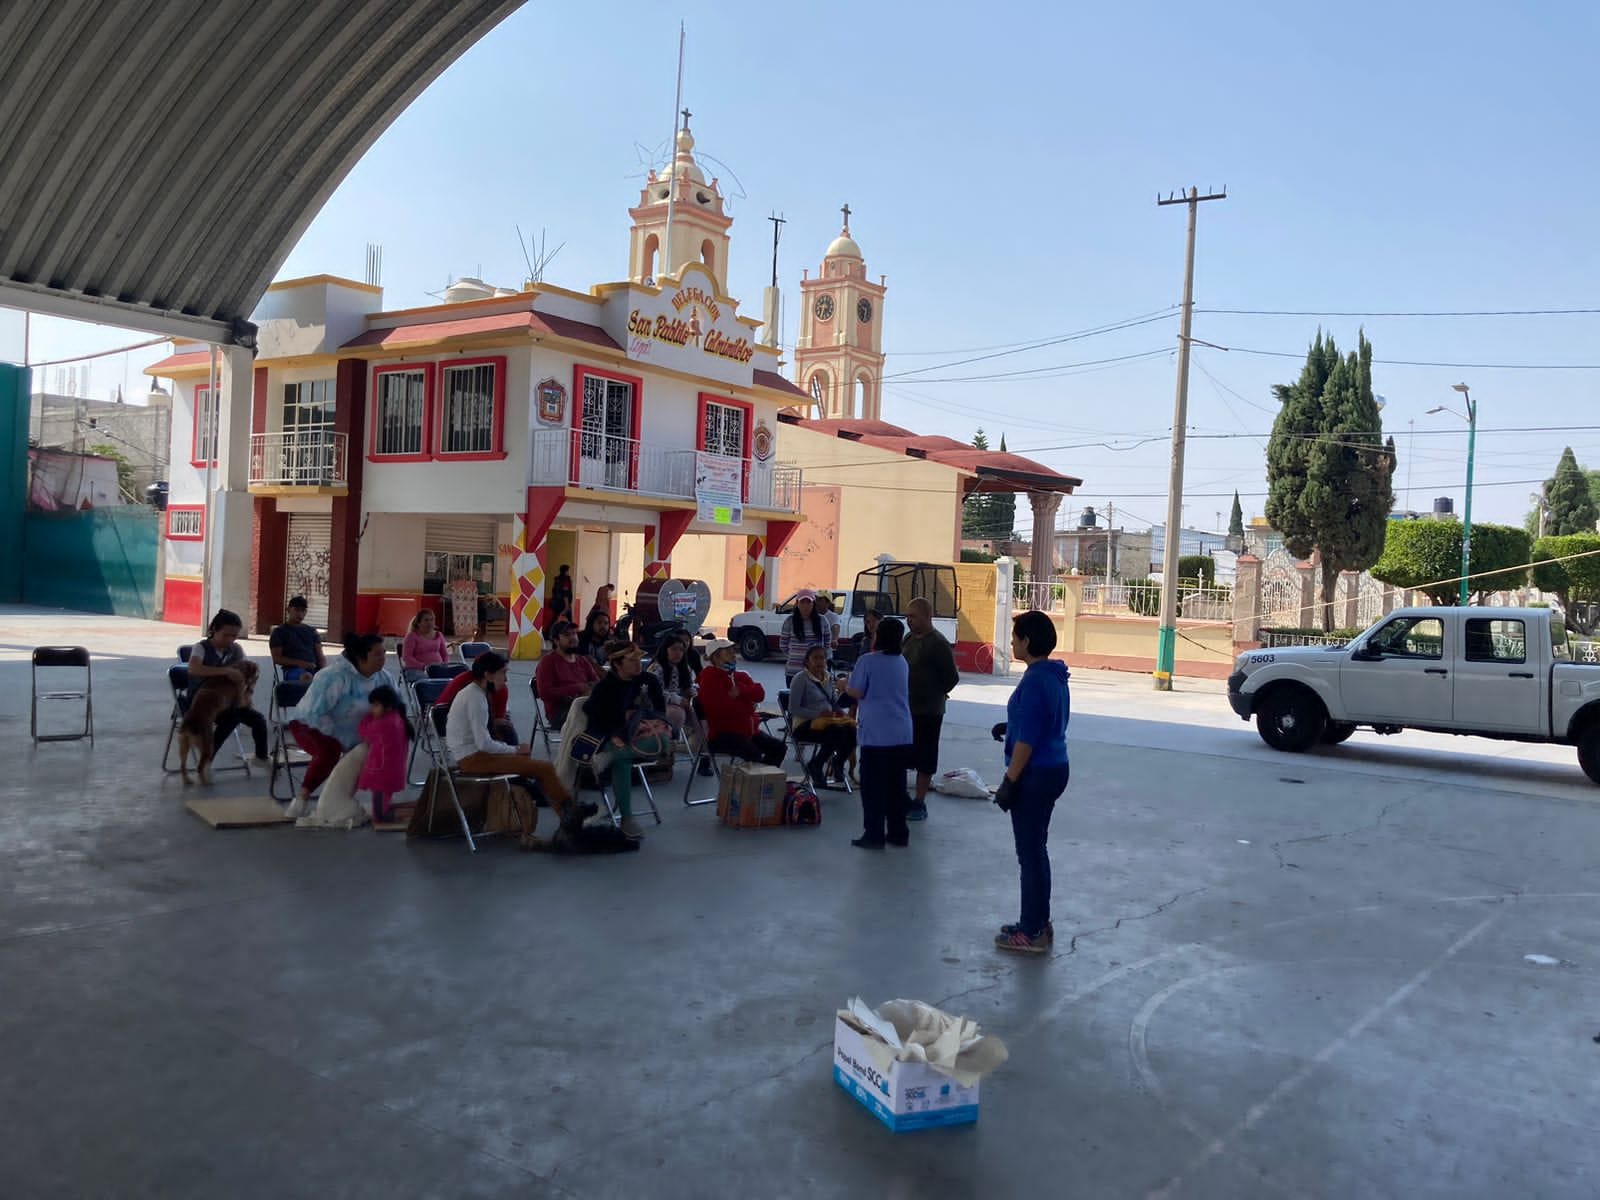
(196, 731)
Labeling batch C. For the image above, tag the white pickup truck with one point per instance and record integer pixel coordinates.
(1486, 672)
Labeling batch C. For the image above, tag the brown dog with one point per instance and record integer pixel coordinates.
(212, 698)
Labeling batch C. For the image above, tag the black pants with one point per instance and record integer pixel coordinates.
(883, 792)
(232, 718)
(838, 742)
(758, 747)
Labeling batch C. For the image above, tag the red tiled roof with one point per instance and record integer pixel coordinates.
(528, 322)
(997, 471)
(174, 363)
(771, 379)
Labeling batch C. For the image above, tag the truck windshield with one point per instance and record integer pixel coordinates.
(900, 583)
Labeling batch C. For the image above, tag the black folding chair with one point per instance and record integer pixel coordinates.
(542, 725)
(471, 650)
(53, 658)
(446, 671)
(429, 735)
(285, 695)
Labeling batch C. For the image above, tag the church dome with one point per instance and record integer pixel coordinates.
(683, 165)
(843, 246)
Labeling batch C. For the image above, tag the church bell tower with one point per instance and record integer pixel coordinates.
(839, 355)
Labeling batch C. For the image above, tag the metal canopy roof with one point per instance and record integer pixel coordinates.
(159, 158)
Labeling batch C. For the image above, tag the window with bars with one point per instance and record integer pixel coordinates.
(308, 406)
(469, 420)
(204, 448)
(722, 429)
(400, 414)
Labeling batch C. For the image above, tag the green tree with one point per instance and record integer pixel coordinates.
(1199, 567)
(979, 518)
(1236, 521)
(1329, 469)
(1003, 506)
(1574, 580)
(1594, 488)
(1566, 495)
(1426, 556)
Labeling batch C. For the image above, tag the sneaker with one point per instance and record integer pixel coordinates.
(1049, 934)
(632, 830)
(917, 812)
(298, 807)
(1020, 943)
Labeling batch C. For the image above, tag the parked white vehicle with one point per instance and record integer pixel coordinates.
(758, 631)
(1485, 672)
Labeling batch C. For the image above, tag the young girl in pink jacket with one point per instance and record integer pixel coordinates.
(388, 735)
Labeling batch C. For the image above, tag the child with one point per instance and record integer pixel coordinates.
(387, 733)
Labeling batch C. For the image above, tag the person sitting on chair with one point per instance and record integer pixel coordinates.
(477, 752)
(627, 715)
(818, 718)
(563, 675)
(219, 654)
(499, 724)
(729, 698)
(424, 646)
(296, 647)
(596, 633)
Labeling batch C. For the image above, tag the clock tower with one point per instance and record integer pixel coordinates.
(839, 356)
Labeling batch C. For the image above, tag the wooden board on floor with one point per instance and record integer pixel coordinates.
(239, 812)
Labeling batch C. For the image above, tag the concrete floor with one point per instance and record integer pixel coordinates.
(1275, 976)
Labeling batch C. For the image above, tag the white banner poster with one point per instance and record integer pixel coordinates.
(719, 488)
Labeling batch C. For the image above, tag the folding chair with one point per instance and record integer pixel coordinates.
(178, 681)
(427, 692)
(601, 782)
(446, 671)
(63, 657)
(471, 650)
(542, 727)
(437, 716)
(285, 695)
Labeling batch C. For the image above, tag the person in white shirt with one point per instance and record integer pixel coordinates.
(475, 751)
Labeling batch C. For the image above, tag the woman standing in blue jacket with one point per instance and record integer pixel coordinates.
(1035, 734)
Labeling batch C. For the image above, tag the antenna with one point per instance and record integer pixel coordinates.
(777, 231)
(374, 275)
(535, 257)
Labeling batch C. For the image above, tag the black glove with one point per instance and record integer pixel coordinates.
(1002, 794)
(998, 732)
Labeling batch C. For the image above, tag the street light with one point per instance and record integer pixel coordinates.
(1466, 514)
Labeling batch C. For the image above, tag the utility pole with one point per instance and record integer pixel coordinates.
(777, 229)
(1167, 637)
(1111, 534)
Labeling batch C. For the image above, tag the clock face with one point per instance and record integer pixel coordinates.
(864, 310)
(824, 308)
(816, 387)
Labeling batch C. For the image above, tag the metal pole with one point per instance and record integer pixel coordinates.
(208, 447)
(1466, 515)
(672, 161)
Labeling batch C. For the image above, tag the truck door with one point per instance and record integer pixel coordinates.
(1399, 675)
(1499, 685)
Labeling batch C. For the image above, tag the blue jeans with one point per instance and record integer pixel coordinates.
(1031, 805)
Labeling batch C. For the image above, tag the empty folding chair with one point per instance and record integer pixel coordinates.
(542, 726)
(446, 671)
(429, 737)
(471, 650)
(285, 695)
(63, 658)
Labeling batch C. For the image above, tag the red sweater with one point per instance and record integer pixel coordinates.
(497, 702)
(730, 701)
(561, 681)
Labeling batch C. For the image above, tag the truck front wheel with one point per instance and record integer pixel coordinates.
(1337, 731)
(1589, 750)
(1290, 719)
(752, 644)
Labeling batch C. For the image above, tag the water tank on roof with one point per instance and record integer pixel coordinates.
(467, 288)
(1443, 506)
(1086, 519)
(505, 291)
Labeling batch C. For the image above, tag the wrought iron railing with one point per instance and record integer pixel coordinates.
(606, 462)
(298, 458)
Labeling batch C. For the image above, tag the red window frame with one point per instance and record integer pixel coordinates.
(200, 536)
(582, 371)
(202, 396)
(425, 454)
(708, 398)
(498, 362)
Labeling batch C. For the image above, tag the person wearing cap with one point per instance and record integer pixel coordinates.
(729, 697)
(802, 629)
(563, 674)
(296, 647)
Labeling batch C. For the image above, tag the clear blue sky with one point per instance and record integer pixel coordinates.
(1002, 163)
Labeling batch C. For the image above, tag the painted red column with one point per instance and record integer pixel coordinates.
(659, 540)
(525, 627)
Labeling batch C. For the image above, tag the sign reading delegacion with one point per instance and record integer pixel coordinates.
(685, 325)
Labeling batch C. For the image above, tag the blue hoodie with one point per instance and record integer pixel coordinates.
(1038, 711)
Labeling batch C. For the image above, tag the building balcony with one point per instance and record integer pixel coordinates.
(628, 467)
(298, 463)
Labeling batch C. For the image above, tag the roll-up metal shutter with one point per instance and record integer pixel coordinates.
(461, 535)
(308, 563)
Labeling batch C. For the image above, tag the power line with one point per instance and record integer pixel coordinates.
(1482, 312)
(1096, 331)
(1410, 362)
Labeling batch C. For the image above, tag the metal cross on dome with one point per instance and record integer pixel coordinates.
(686, 115)
(846, 211)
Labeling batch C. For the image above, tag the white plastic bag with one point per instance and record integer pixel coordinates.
(963, 781)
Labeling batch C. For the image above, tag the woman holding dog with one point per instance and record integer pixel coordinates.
(219, 656)
(327, 721)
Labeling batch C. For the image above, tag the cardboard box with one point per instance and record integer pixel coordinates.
(751, 796)
(904, 1096)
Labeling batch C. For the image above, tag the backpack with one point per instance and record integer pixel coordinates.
(800, 805)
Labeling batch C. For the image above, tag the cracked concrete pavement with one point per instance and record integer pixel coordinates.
(1274, 975)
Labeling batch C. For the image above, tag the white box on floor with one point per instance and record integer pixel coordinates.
(903, 1095)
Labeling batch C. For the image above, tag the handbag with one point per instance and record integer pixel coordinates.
(585, 746)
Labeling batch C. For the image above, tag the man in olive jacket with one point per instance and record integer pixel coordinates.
(933, 676)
